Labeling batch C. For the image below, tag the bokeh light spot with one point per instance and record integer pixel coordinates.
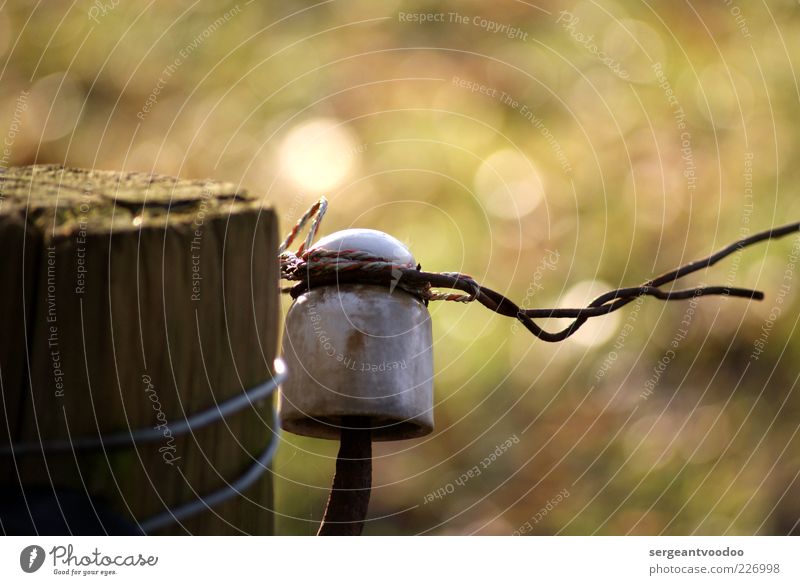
(595, 331)
(508, 185)
(318, 155)
(56, 102)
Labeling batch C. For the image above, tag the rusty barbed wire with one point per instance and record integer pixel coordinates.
(311, 268)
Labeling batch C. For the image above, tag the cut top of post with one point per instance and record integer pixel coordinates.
(62, 200)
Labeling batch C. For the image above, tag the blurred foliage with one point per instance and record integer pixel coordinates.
(553, 151)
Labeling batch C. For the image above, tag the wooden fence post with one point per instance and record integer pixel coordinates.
(129, 301)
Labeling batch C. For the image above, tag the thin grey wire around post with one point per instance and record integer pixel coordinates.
(191, 423)
(203, 503)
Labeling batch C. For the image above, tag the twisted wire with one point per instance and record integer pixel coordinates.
(317, 267)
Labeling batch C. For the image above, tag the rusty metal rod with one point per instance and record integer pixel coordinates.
(352, 483)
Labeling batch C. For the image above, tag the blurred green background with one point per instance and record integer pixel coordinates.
(551, 151)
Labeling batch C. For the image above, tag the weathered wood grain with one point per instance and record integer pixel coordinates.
(130, 299)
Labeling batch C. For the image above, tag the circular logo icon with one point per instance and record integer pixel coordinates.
(31, 558)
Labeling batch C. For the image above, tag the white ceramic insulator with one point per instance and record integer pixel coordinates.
(359, 350)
